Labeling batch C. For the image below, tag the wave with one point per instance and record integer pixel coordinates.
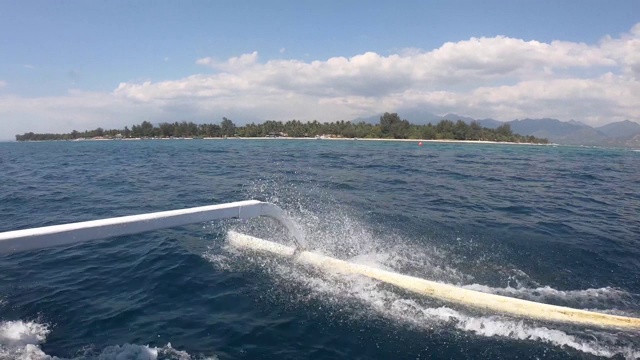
(335, 231)
(588, 298)
(357, 297)
(488, 326)
(518, 330)
(22, 339)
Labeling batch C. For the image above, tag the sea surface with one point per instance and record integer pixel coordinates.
(554, 224)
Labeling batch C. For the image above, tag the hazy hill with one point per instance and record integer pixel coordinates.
(557, 131)
(620, 129)
(546, 126)
(490, 123)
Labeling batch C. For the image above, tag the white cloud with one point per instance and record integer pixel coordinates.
(625, 50)
(499, 77)
(607, 97)
(239, 62)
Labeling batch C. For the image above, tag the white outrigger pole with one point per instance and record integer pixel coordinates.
(48, 236)
(29, 239)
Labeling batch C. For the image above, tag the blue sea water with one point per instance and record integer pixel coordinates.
(553, 224)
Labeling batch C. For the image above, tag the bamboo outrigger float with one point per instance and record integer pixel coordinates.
(445, 292)
(37, 238)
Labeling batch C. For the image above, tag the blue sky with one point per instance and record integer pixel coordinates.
(121, 62)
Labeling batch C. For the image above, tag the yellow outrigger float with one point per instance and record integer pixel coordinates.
(445, 292)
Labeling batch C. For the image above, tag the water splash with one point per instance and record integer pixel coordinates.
(358, 297)
(22, 339)
(335, 230)
(589, 298)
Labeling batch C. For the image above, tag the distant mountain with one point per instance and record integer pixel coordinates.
(419, 116)
(574, 122)
(585, 135)
(543, 127)
(633, 142)
(572, 132)
(456, 117)
(424, 117)
(562, 132)
(490, 123)
(620, 129)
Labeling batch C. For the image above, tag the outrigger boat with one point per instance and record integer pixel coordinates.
(65, 234)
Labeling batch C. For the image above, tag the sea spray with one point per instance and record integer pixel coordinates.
(23, 339)
(333, 229)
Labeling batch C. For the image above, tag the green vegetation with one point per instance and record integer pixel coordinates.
(389, 127)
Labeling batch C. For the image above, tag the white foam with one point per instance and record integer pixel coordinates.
(340, 289)
(357, 296)
(334, 231)
(129, 351)
(512, 329)
(22, 339)
(139, 352)
(604, 297)
(520, 331)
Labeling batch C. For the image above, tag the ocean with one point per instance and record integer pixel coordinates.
(553, 224)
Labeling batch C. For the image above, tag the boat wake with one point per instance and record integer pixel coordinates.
(600, 299)
(337, 234)
(356, 297)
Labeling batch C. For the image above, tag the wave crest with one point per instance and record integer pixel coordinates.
(588, 298)
(21, 340)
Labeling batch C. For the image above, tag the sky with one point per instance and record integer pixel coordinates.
(80, 65)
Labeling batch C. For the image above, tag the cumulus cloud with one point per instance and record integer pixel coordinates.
(594, 101)
(498, 77)
(234, 63)
(625, 50)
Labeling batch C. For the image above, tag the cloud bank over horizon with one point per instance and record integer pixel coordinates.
(488, 77)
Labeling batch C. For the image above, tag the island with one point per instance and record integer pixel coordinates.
(390, 127)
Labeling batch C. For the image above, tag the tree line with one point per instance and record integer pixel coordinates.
(390, 126)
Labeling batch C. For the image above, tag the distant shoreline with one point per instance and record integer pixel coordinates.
(397, 140)
(308, 138)
(390, 128)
